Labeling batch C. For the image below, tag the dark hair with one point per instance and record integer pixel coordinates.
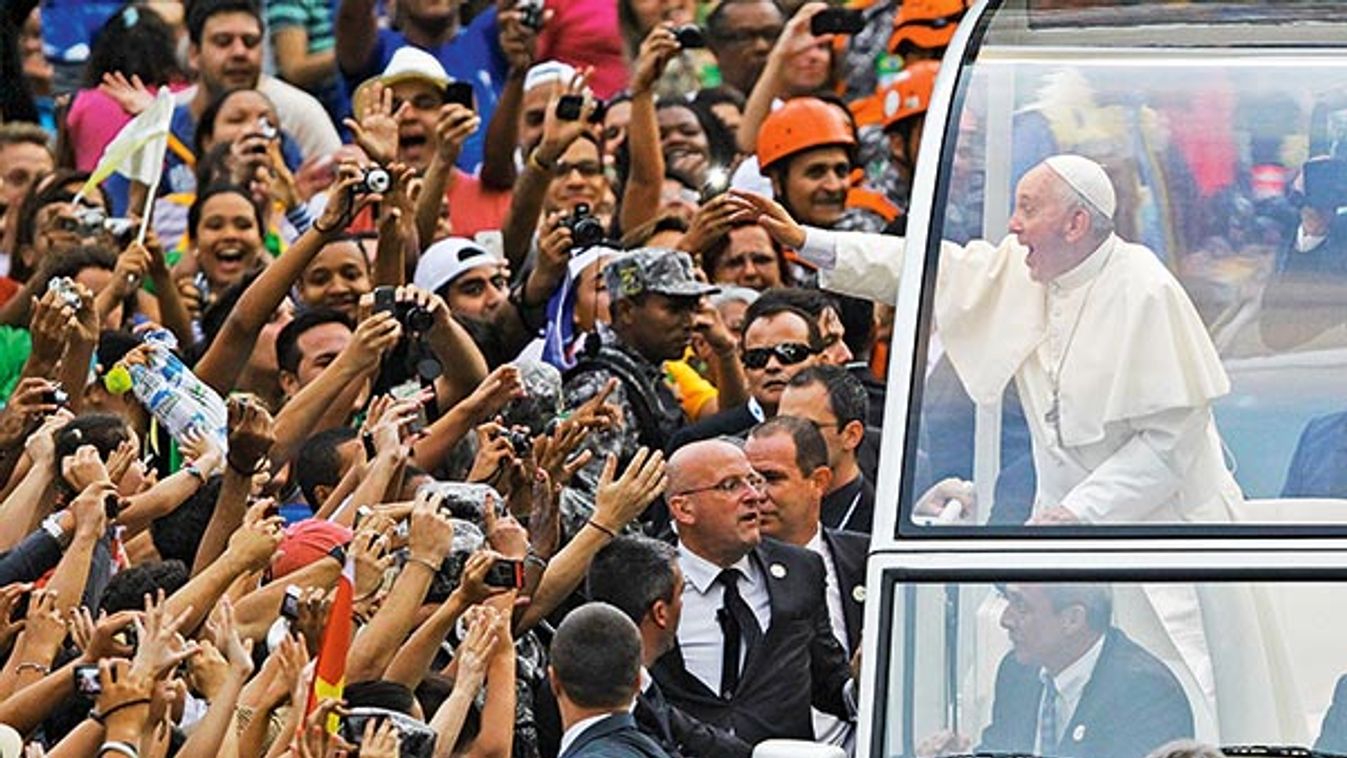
(712, 255)
(720, 143)
(319, 464)
(1096, 599)
(213, 167)
(846, 394)
(722, 95)
(48, 190)
(666, 222)
(137, 42)
(71, 261)
(127, 589)
(379, 693)
(178, 533)
(764, 308)
(811, 450)
(102, 430)
(631, 573)
(596, 656)
(287, 342)
(205, 125)
(200, 11)
(223, 188)
(715, 20)
(217, 312)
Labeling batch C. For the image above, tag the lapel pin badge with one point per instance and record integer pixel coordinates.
(777, 570)
(1079, 733)
(858, 593)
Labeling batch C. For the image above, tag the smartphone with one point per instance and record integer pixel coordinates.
(290, 604)
(569, 107)
(385, 300)
(836, 21)
(112, 506)
(460, 93)
(506, 573)
(87, 681)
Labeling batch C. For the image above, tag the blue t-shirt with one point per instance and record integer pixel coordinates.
(473, 56)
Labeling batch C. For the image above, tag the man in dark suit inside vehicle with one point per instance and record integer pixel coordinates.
(755, 645)
(1073, 685)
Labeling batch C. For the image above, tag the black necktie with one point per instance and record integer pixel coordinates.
(738, 624)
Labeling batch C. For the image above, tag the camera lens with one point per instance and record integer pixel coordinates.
(418, 319)
(377, 180)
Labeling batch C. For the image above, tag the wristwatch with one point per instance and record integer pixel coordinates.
(52, 525)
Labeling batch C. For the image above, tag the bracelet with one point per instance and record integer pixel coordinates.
(244, 470)
(433, 568)
(38, 667)
(536, 161)
(534, 559)
(602, 528)
(196, 471)
(102, 717)
(117, 746)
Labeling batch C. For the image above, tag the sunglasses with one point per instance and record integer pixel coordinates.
(787, 354)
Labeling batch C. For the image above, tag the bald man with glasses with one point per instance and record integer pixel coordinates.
(755, 645)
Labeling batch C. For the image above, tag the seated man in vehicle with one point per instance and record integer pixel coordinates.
(1073, 685)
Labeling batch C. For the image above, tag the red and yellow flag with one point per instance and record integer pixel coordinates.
(329, 674)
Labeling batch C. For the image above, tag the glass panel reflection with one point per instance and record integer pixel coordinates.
(1113, 670)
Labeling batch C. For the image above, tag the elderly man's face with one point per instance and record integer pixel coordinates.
(1045, 221)
(1038, 632)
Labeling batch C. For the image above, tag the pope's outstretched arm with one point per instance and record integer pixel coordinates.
(857, 264)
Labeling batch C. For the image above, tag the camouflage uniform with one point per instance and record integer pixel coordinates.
(650, 412)
(864, 51)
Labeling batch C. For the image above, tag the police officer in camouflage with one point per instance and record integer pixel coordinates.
(653, 296)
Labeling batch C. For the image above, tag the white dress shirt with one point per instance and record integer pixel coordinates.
(1070, 683)
(699, 636)
(577, 729)
(827, 727)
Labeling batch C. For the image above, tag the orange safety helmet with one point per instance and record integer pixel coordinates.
(910, 93)
(803, 123)
(927, 24)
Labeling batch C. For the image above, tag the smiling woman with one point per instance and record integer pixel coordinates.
(226, 231)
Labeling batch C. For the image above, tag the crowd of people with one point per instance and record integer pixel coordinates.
(452, 354)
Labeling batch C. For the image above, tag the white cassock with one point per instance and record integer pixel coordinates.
(1117, 374)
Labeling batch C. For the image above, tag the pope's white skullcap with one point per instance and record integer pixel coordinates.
(1088, 179)
(548, 72)
(413, 63)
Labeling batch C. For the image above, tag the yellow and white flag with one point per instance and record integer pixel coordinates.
(137, 152)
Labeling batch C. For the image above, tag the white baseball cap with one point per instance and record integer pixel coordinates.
(449, 259)
(548, 72)
(410, 63)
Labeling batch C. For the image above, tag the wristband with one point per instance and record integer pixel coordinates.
(534, 559)
(196, 471)
(117, 746)
(602, 528)
(38, 667)
(433, 568)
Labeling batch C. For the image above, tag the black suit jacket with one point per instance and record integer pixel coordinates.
(797, 663)
(849, 551)
(614, 737)
(676, 733)
(1131, 705)
(734, 422)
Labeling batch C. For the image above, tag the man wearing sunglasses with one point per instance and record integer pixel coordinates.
(778, 341)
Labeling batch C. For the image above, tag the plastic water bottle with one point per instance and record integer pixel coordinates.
(171, 392)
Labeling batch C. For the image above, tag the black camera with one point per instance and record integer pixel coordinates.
(530, 13)
(836, 21)
(290, 604)
(55, 396)
(505, 573)
(689, 36)
(520, 441)
(569, 107)
(586, 230)
(458, 92)
(413, 317)
(374, 180)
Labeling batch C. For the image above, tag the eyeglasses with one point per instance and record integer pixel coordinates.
(420, 103)
(731, 485)
(787, 353)
(740, 36)
(587, 169)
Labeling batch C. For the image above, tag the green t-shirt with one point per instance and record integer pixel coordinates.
(16, 344)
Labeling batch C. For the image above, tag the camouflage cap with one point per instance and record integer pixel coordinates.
(654, 269)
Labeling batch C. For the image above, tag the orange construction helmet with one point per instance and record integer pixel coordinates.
(910, 93)
(801, 124)
(927, 24)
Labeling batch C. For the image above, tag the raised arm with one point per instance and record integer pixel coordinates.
(519, 43)
(220, 366)
(453, 127)
(641, 195)
(771, 84)
(357, 29)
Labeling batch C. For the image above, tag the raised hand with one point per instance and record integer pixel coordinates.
(160, 647)
(472, 586)
(255, 543)
(769, 214)
(618, 502)
(658, 48)
(432, 533)
(376, 131)
(504, 533)
(251, 434)
(453, 127)
(131, 94)
(100, 639)
(559, 133)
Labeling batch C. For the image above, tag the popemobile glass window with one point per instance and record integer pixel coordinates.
(1133, 302)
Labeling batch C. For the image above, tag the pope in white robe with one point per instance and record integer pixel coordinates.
(1117, 375)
